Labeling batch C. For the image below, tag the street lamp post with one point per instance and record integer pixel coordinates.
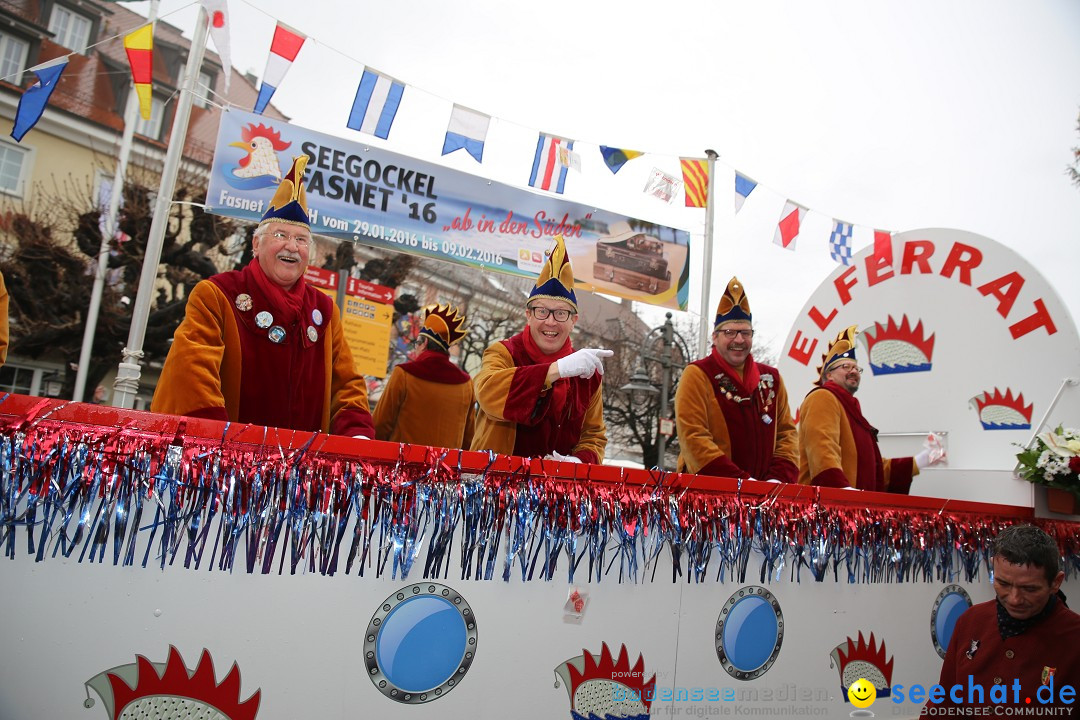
(640, 382)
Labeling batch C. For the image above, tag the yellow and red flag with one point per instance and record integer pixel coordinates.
(140, 51)
(695, 174)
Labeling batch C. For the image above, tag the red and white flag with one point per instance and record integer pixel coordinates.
(787, 230)
(883, 247)
(218, 10)
(283, 50)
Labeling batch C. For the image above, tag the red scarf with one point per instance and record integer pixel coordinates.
(285, 305)
(871, 472)
(538, 356)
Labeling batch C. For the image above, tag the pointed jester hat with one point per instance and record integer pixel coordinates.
(842, 348)
(556, 281)
(443, 325)
(734, 306)
(289, 204)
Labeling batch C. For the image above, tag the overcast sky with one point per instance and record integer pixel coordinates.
(896, 115)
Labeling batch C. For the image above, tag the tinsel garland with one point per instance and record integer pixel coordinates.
(129, 496)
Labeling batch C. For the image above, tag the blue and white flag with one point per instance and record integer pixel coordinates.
(33, 101)
(548, 172)
(840, 242)
(467, 129)
(376, 104)
(743, 187)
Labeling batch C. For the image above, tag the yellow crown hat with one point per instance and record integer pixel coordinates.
(289, 204)
(556, 280)
(734, 305)
(842, 348)
(443, 325)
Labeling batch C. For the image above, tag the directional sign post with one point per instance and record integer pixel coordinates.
(367, 315)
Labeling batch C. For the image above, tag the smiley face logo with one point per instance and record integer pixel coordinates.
(862, 693)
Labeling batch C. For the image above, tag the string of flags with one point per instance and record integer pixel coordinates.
(375, 107)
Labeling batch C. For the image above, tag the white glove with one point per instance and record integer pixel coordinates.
(361, 437)
(563, 458)
(583, 363)
(932, 452)
(774, 480)
(848, 487)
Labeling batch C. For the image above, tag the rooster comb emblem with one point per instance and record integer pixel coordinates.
(864, 660)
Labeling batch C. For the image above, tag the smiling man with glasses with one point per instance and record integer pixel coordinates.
(731, 411)
(260, 345)
(539, 397)
(838, 446)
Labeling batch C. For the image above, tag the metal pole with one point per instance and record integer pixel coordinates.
(108, 233)
(707, 261)
(129, 371)
(665, 382)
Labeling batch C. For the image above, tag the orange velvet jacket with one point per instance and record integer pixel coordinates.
(428, 401)
(223, 366)
(838, 447)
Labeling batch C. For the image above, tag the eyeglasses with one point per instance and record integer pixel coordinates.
(542, 313)
(730, 334)
(301, 240)
(847, 367)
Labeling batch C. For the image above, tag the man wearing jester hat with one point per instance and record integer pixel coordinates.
(732, 412)
(838, 447)
(429, 400)
(260, 345)
(539, 397)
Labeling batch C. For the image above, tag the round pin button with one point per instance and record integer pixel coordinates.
(265, 320)
(277, 334)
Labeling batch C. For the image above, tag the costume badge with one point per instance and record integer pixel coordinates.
(972, 650)
(277, 334)
(316, 316)
(1048, 674)
(243, 302)
(264, 320)
(312, 334)
(766, 419)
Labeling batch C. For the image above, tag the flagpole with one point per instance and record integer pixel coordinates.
(704, 331)
(129, 370)
(109, 232)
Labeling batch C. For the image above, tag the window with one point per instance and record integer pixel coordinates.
(13, 165)
(151, 128)
(72, 30)
(202, 92)
(12, 58)
(17, 379)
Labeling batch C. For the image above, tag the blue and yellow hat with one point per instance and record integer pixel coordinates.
(289, 204)
(556, 281)
(443, 325)
(734, 305)
(842, 348)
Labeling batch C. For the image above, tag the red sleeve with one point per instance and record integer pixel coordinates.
(831, 477)
(721, 466)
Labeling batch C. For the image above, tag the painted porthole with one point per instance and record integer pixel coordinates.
(420, 643)
(749, 632)
(950, 605)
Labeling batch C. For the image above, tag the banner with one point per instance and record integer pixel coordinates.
(364, 194)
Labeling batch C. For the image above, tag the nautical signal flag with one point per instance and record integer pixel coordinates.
(139, 45)
(662, 185)
(695, 175)
(883, 247)
(218, 12)
(547, 172)
(787, 230)
(33, 101)
(840, 242)
(467, 129)
(743, 187)
(283, 50)
(376, 104)
(615, 158)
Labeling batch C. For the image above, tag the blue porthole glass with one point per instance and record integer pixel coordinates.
(749, 633)
(950, 604)
(420, 643)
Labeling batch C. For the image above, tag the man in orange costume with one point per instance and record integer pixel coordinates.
(260, 345)
(539, 397)
(732, 412)
(429, 400)
(837, 446)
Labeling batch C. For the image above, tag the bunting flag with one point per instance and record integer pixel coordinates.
(36, 97)
(139, 45)
(569, 159)
(883, 247)
(743, 187)
(283, 49)
(218, 12)
(467, 129)
(615, 158)
(547, 172)
(376, 104)
(840, 242)
(787, 230)
(662, 185)
(695, 174)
